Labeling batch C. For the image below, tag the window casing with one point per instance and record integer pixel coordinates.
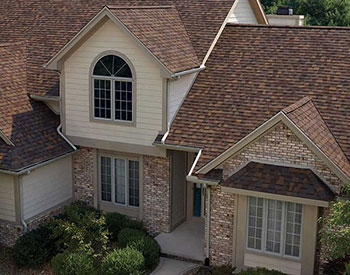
(120, 181)
(113, 98)
(274, 227)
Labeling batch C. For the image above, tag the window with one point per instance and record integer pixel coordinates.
(120, 181)
(274, 226)
(113, 90)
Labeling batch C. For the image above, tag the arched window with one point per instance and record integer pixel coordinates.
(113, 89)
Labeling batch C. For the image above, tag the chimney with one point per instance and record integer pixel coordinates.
(285, 17)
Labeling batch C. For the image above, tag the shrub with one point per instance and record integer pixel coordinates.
(35, 247)
(126, 261)
(76, 263)
(140, 241)
(116, 222)
(337, 266)
(81, 227)
(260, 271)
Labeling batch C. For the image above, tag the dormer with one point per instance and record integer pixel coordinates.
(116, 74)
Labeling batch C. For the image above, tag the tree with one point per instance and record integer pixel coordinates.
(335, 231)
(317, 12)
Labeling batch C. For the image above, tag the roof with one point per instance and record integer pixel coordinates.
(307, 118)
(280, 180)
(265, 70)
(49, 25)
(161, 30)
(28, 124)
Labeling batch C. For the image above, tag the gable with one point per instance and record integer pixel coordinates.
(243, 13)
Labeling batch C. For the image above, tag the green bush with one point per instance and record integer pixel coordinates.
(81, 227)
(35, 247)
(76, 263)
(140, 241)
(260, 271)
(116, 222)
(126, 261)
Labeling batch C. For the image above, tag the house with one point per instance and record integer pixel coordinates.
(193, 116)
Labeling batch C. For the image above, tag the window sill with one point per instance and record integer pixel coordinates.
(272, 255)
(130, 211)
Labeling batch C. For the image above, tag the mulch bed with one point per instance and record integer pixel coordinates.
(199, 271)
(8, 266)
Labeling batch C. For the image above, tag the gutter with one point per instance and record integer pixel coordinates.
(44, 98)
(59, 128)
(195, 70)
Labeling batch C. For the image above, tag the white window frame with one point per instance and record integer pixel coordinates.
(113, 200)
(283, 230)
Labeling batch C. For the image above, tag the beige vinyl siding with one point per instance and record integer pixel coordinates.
(149, 89)
(243, 13)
(47, 187)
(7, 198)
(177, 91)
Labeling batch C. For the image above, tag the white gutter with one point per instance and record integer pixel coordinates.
(200, 68)
(65, 138)
(44, 98)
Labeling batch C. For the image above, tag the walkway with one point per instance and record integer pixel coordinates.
(172, 267)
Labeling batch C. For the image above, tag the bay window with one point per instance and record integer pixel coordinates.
(120, 180)
(274, 226)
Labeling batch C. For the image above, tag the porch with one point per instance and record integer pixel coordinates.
(186, 241)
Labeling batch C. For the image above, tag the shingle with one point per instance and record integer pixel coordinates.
(49, 25)
(280, 180)
(161, 30)
(30, 125)
(255, 72)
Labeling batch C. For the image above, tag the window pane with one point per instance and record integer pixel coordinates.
(293, 229)
(134, 179)
(120, 181)
(106, 179)
(102, 98)
(123, 100)
(255, 217)
(274, 226)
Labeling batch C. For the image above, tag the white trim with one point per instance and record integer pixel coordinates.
(275, 196)
(6, 139)
(195, 162)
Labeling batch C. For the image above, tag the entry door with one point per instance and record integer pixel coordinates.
(178, 188)
(197, 200)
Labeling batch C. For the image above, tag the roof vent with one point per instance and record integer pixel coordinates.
(284, 11)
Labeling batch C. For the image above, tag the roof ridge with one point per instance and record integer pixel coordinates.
(231, 24)
(298, 104)
(139, 7)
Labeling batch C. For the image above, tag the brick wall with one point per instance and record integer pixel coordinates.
(278, 145)
(156, 190)
(83, 175)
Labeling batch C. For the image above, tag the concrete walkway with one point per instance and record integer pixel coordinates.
(172, 267)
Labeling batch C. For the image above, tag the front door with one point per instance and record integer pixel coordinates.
(197, 200)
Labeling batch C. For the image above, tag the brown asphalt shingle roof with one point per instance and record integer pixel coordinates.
(306, 117)
(280, 180)
(255, 72)
(30, 125)
(49, 25)
(161, 30)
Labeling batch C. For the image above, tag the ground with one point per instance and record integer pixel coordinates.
(8, 266)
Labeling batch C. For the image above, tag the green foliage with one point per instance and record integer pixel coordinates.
(126, 261)
(223, 270)
(116, 222)
(35, 247)
(140, 241)
(81, 227)
(260, 271)
(317, 12)
(76, 263)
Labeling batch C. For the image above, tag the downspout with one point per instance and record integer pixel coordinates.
(65, 138)
(167, 104)
(207, 258)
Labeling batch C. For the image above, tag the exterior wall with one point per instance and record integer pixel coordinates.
(278, 145)
(243, 13)
(177, 92)
(149, 90)
(7, 198)
(156, 194)
(285, 20)
(84, 175)
(46, 187)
